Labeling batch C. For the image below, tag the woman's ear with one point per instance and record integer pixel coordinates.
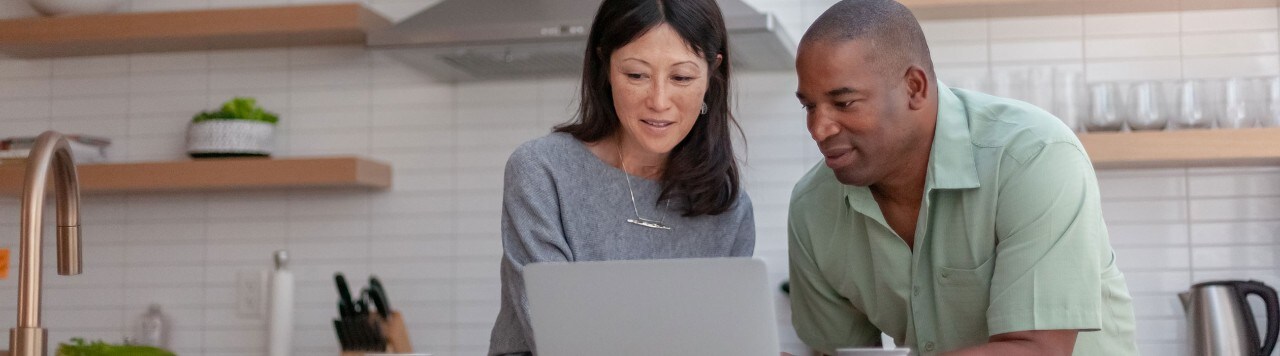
(716, 65)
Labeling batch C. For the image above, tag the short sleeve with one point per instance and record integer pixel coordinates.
(823, 318)
(1050, 234)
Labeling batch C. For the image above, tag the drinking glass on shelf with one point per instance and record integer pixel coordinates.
(1039, 87)
(1104, 108)
(1070, 100)
(1242, 105)
(1010, 83)
(1271, 117)
(1150, 110)
(1195, 105)
(978, 84)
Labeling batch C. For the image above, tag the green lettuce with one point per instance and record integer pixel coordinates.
(78, 347)
(239, 108)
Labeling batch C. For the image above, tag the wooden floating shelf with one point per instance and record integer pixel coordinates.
(916, 4)
(188, 30)
(1186, 148)
(219, 174)
(964, 9)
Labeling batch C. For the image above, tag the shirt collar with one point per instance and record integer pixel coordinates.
(952, 163)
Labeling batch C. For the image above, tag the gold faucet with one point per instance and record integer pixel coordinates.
(51, 149)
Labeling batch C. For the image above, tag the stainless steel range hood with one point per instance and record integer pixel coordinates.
(471, 40)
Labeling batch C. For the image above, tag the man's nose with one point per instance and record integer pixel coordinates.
(821, 126)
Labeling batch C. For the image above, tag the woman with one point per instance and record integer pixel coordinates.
(646, 171)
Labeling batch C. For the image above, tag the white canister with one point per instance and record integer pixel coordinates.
(230, 138)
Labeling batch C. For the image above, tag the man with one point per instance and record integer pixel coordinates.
(954, 221)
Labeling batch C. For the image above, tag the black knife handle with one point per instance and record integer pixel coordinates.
(346, 306)
(375, 296)
(362, 307)
(375, 284)
(344, 340)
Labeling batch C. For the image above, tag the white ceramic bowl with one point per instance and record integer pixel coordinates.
(75, 7)
(219, 138)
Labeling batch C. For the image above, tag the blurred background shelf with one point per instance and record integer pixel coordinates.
(924, 4)
(964, 9)
(325, 24)
(1187, 148)
(219, 174)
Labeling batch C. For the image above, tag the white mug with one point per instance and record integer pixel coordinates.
(873, 352)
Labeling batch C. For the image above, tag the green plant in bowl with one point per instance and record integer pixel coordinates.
(78, 347)
(239, 108)
(240, 128)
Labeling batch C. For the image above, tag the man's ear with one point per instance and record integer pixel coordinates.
(918, 86)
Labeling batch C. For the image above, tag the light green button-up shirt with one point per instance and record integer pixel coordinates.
(1010, 238)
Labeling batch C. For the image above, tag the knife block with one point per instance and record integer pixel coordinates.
(397, 335)
(394, 331)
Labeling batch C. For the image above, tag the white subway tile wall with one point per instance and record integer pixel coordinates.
(433, 237)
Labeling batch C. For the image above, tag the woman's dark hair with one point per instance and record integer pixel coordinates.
(701, 172)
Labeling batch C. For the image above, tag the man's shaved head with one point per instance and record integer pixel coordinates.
(889, 27)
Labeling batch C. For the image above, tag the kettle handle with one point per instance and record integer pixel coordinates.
(1268, 296)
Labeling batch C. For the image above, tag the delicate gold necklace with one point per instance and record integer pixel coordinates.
(656, 224)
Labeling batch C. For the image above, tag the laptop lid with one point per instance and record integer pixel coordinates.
(719, 306)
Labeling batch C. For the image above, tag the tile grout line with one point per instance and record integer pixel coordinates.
(208, 216)
(368, 196)
(1186, 184)
(991, 75)
(1084, 56)
(128, 245)
(453, 223)
(456, 211)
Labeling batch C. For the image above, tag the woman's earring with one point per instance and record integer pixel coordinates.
(704, 108)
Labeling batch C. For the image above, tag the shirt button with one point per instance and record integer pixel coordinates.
(928, 346)
(916, 292)
(946, 274)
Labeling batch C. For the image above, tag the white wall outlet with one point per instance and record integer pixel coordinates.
(251, 293)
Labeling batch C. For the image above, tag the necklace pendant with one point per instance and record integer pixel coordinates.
(649, 223)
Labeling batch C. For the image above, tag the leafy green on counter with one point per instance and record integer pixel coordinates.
(78, 347)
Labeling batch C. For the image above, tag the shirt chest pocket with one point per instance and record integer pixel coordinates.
(965, 277)
(965, 288)
(962, 299)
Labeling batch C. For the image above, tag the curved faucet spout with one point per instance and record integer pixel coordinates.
(51, 153)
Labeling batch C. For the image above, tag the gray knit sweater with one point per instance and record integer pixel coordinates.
(562, 203)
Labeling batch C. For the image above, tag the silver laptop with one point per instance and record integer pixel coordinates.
(701, 307)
